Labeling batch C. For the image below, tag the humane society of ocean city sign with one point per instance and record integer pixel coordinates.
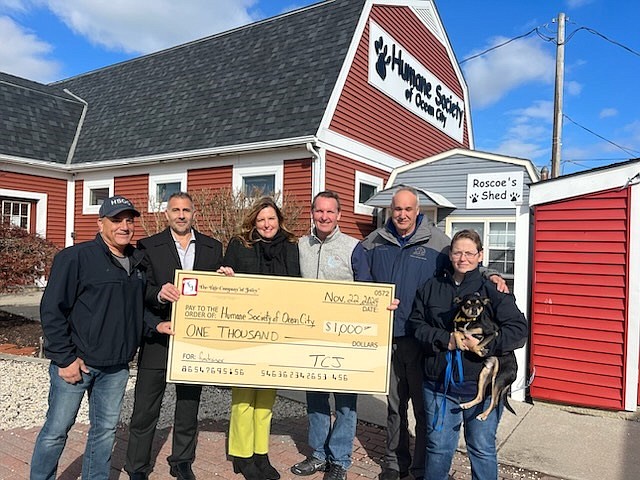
(401, 77)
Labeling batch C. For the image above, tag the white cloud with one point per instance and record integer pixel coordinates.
(523, 149)
(608, 112)
(573, 88)
(23, 54)
(539, 110)
(145, 26)
(493, 75)
(578, 3)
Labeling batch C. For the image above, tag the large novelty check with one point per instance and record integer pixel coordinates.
(281, 332)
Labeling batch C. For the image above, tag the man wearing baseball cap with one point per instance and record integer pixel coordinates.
(91, 313)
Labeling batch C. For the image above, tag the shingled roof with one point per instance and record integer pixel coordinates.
(266, 81)
(36, 121)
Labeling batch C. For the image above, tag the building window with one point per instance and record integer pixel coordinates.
(165, 190)
(94, 193)
(161, 187)
(366, 186)
(256, 185)
(265, 177)
(16, 213)
(498, 240)
(98, 195)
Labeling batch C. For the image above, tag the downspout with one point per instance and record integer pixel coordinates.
(317, 169)
(74, 143)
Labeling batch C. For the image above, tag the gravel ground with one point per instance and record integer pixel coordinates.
(24, 386)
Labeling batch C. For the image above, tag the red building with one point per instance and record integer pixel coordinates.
(585, 302)
(331, 96)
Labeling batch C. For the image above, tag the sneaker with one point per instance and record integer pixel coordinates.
(309, 466)
(389, 474)
(336, 472)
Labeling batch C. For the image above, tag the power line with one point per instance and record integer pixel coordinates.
(499, 45)
(630, 151)
(595, 32)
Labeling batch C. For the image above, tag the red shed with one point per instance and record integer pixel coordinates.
(585, 301)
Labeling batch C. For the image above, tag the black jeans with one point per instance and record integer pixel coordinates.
(150, 386)
(405, 383)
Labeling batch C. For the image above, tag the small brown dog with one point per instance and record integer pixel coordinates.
(472, 319)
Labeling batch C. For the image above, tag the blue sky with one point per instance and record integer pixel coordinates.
(511, 88)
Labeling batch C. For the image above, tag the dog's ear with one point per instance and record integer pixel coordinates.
(486, 300)
(457, 300)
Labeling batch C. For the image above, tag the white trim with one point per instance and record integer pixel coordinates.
(360, 152)
(70, 217)
(41, 207)
(160, 158)
(338, 87)
(266, 167)
(521, 292)
(365, 178)
(154, 179)
(633, 304)
(87, 186)
(584, 183)
(527, 164)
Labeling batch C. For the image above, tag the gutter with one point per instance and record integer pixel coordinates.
(317, 168)
(154, 159)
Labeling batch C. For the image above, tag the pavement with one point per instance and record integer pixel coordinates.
(542, 441)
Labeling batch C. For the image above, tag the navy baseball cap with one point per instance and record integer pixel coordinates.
(116, 204)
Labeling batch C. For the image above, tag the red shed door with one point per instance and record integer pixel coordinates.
(579, 300)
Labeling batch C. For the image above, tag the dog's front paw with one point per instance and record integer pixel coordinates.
(481, 352)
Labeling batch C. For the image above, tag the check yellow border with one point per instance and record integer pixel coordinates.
(281, 332)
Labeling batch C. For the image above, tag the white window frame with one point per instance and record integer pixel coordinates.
(276, 168)
(367, 179)
(485, 238)
(40, 207)
(11, 201)
(89, 185)
(155, 180)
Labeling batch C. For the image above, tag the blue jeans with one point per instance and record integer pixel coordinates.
(106, 387)
(332, 443)
(442, 444)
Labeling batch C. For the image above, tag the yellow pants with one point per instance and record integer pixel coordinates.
(250, 423)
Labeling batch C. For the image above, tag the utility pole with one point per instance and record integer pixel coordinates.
(556, 147)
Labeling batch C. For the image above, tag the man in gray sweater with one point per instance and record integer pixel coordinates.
(326, 254)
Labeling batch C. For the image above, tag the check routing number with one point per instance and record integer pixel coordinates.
(281, 332)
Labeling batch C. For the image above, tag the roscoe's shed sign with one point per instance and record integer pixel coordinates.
(494, 190)
(401, 77)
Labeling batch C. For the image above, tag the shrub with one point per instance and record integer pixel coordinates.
(220, 213)
(24, 257)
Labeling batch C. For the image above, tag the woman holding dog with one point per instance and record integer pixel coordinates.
(265, 247)
(451, 369)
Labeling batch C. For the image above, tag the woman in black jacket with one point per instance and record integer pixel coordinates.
(432, 323)
(265, 247)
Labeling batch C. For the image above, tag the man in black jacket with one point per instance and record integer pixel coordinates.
(177, 247)
(91, 314)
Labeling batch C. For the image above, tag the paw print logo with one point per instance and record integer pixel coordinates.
(474, 198)
(383, 59)
(515, 197)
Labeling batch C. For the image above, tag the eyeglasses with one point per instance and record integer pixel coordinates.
(467, 255)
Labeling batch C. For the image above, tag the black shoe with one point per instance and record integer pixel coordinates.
(389, 474)
(404, 473)
(182, 471)
(262, 462)
(309, 466)
(138, 476)
(247, 467)
(336, 472)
